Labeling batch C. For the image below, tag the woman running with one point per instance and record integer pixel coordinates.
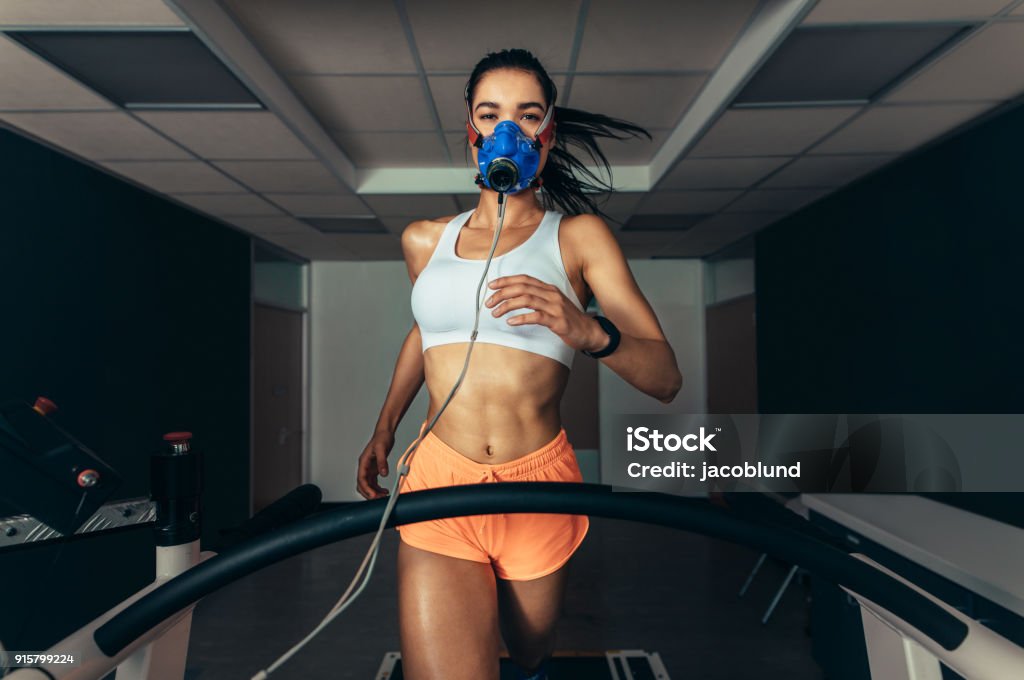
(467, 583)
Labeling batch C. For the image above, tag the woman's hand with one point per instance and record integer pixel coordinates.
(551, 308)
(373, 461)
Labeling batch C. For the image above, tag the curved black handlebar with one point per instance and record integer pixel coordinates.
(572, 498)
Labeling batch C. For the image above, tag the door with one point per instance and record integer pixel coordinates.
(277, 403)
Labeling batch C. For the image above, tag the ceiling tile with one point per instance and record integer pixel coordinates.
(659, 34)
(411, 205)
(444, 43)
(631, 151)
(312, 36)
(843, 11)
(685, 202)
(272, 225)
(739, 223)
(320, 205)
(396, 225)
(773, 200)
(619, 205)
(284, 176)
(978, 68)
(458, 148)
(98, 135)
(366, 103)
(375, 246)
(175, 177)
(392, 149)
(88, 13)
(1018, 11)
(28, 82)
(898, 128)
(650, 101)
(825, 171)
(628, 239)
(234, 135)
(719, 173)
(229, 205)
(316, 246)
(769, 132)
(448, 92)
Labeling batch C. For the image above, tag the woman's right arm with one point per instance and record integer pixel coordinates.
(405, 382)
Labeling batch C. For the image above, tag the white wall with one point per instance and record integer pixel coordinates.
(360, 315)
(675, 290)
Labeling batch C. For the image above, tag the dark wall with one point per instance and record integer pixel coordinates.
(132, 314)
(902, 292)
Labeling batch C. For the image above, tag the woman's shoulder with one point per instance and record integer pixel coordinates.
(419, 239)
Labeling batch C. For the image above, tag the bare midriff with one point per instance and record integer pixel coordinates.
(507, 405)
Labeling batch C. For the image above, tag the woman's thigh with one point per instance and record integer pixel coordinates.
(529, 612)
(448, 616)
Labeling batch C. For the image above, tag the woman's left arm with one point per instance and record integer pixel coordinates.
(644, 358)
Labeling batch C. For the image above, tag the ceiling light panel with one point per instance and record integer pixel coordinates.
(827, 64)
(142, 69)
(30, 83)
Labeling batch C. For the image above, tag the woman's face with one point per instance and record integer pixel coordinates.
(508, 94)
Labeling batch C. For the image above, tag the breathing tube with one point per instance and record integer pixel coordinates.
(508, 161)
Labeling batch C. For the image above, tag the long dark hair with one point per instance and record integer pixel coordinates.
(567, 184)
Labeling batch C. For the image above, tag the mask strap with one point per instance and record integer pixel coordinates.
(544, 132)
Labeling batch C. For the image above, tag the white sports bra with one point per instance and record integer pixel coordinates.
(442, 296)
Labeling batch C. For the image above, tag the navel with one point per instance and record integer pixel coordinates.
(490, 450)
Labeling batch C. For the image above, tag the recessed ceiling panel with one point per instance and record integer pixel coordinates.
(229, 205)
(272, 225)
(769, 132)
(142, 68)
(828, 64)
(30, 83)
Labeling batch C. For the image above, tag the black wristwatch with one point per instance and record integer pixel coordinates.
(613, 335)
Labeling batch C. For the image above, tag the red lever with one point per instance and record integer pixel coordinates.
(177, 436)
(44, 406)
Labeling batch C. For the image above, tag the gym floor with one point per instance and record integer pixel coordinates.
(633, 586)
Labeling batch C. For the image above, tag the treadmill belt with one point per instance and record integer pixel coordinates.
(612, 665)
